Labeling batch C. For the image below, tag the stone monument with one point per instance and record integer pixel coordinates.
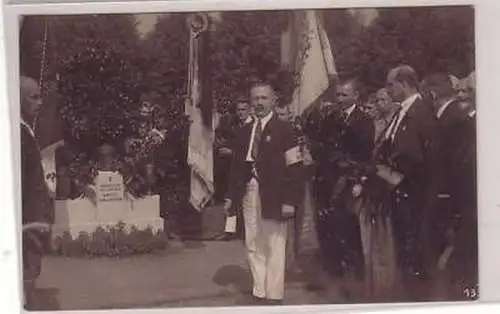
(107, 203)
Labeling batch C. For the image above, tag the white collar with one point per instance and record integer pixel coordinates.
(265, 119)
(30, 129)
(248, 120)
(405, 106)
(408, 102)
(349, 110)
(443, 108)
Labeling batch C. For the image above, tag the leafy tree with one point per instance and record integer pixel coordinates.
(340, 26)
(164, 71)
(164, 58)
(98, 76)
(102, 67)
(31, 38)
(246, 46)
(429, 39)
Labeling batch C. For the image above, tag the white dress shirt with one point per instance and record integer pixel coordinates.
(30, 129)
(443, 108)
(405, 106)
(264, 122)
(248, 120)
(349, 111)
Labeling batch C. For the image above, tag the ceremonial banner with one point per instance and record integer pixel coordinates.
(48, 155)
(198, 107)
(307, 51)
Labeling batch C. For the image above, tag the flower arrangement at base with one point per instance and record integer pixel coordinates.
(141, 169)
(110, 241)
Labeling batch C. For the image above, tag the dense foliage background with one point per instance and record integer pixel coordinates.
(245, 47)
(100, 66)
(429, 39)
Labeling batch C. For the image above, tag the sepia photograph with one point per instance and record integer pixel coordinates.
(248, 158)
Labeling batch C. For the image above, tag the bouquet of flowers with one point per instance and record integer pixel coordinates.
(140, 156)
(83, 171)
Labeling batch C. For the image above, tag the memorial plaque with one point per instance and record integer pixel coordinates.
(110, 186)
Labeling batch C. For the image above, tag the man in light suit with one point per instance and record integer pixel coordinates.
(408, 163)
(265, 179)
(37, 206)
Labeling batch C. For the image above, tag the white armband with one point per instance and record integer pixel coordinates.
(293, 155)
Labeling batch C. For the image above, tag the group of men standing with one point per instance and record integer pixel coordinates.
(394, 185)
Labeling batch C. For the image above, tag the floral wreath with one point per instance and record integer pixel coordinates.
(198, 23)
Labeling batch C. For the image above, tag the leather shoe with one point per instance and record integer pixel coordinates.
(226, 237)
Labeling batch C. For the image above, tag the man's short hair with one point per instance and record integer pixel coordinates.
(262, 83)
(241, 100)
(383, 90)
(439, 83)
(405, 73)
(354, 82)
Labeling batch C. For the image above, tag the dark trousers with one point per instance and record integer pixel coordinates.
(32, 254)
(340, 241)
(411, 236)
(464, 260)
(240, 225)
(221, 176)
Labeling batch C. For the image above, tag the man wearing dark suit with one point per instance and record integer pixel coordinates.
(224, 137)
(347, 139)
(37, 206)
(224, 144)
(456, 207)
(265, 179)
(408, 164)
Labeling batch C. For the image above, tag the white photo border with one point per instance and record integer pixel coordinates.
(487, 69)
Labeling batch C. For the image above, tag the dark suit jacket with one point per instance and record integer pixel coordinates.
(279, 183)
(357, 140)
(456, 147)
(37, 206)
(414, 154)
(225, 133)
(338, 141)
(353, 137)
(413, 202)
(465, 261)
(453, 131)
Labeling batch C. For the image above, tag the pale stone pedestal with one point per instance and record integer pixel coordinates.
(83, 215)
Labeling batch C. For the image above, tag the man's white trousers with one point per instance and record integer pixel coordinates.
(265, 241)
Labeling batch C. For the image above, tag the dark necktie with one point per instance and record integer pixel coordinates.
(344, 116)
(256, 139)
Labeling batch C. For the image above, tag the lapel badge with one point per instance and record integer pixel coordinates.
(268, 138)
(404, 128)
